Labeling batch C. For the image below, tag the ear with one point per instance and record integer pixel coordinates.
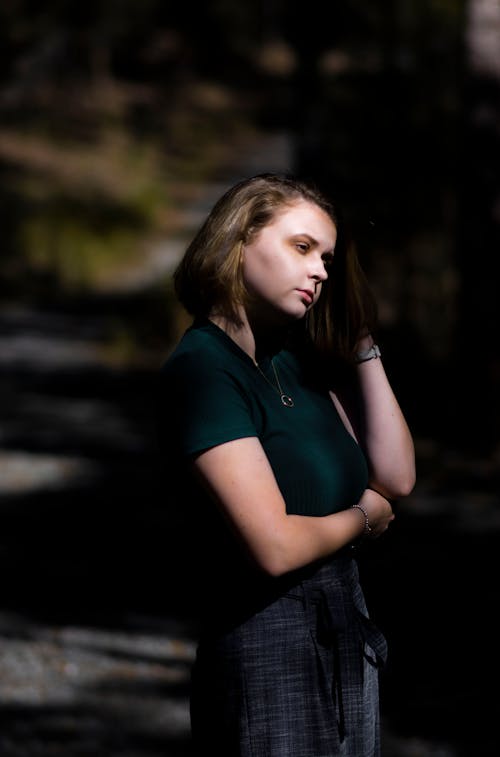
(241, 252)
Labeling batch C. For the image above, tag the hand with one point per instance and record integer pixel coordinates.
(379, 512)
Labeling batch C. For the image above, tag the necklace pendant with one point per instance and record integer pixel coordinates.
(286, 400)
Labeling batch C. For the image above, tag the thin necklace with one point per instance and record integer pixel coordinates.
(285, 398)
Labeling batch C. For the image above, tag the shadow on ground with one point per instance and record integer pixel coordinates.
(97, 642)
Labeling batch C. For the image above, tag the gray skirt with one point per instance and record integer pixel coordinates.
(299, 678)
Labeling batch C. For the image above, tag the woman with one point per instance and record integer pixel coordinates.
(292, 446)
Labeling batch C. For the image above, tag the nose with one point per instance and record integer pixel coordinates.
(318, 270)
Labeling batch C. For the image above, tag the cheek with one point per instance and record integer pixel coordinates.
(259, 269)
(254, 275)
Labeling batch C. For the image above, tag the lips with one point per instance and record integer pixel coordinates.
(307, 295)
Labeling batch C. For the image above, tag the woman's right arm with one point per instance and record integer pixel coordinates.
(240, 479)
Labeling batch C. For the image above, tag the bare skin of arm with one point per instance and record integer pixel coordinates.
(375, 420)
(241, 480)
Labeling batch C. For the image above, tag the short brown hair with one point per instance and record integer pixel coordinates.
(209, 277)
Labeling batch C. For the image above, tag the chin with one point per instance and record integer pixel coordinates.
(293, 315)
(282, 316)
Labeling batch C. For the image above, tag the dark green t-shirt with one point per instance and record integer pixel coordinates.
(216, 394)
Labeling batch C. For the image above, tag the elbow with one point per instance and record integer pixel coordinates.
(276, 560)
(402, 485)
(404, 488)
(408, 479)
(277, 551)
(396, 486)
(274, 565)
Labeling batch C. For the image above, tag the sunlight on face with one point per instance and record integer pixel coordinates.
(286, 262)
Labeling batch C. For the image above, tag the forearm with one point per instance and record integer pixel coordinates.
(305, 539)
(239, 477)
(385, 435)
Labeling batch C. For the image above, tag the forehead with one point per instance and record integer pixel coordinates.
(303, 217)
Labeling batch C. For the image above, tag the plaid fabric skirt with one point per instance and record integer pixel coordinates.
(299, 678)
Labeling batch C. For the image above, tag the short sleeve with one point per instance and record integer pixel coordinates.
(204, 403)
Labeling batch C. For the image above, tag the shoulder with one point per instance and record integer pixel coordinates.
(206, 367)
(197, 355)
(195, 342)
(205, 392)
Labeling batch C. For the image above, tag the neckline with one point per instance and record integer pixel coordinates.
(265, 361)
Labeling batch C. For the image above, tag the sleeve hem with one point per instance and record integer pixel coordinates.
(201, 445)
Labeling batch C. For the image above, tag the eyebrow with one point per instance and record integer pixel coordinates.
(315, 242)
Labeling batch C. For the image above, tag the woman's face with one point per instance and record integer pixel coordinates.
(286, 262)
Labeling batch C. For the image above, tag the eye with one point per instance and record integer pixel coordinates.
(302, 246)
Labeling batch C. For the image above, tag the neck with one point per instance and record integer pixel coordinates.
(254, 338)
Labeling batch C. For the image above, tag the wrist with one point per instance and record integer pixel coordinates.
(367, 528)
(366, 353)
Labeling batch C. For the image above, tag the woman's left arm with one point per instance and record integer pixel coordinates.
(380, 428)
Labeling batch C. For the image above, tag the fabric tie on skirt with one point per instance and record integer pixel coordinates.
(335, 618)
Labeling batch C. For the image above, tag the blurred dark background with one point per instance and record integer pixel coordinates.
(120, 124)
